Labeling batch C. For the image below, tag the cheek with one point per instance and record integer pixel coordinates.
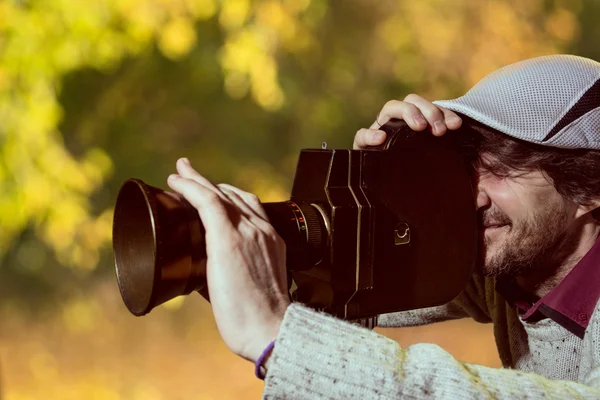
(506, 199)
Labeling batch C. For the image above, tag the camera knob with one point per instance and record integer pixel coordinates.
(316, 234)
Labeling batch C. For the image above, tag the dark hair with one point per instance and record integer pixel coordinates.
(575, 173)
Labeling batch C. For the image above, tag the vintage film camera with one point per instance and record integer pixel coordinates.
(367, 231)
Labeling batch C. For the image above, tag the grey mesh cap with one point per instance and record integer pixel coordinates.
(550, 100)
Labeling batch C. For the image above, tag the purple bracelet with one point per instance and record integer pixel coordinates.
(261, 359)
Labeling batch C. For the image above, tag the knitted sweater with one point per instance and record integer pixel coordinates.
(320, 357)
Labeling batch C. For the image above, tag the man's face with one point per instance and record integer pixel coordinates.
(524, 223)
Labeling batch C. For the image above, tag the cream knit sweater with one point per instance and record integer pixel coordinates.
(320, 357)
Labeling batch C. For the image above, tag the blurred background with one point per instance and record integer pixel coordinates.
(95, 92)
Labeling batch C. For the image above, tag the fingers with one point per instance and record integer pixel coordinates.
(185, 169)
(210, 205)
(453, 121)
(232, 200)
(432, 114)
(402, 110)
(368, 137)
(203, 196)
(247, 202)
(419, 114)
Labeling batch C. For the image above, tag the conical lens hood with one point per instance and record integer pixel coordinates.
(159, 249)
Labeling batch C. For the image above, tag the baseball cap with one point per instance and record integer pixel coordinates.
(551, 100)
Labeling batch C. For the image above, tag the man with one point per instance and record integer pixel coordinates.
(537, 186)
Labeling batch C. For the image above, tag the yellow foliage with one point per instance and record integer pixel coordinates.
(236, 84)
(296, 6)
(41, 40)
(177, 38)
(234, 13)
(248, 56)
(202, 9)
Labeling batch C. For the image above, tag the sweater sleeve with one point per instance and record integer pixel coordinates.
(319, 357)
(472, 302)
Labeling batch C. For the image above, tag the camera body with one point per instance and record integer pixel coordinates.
(400, 222)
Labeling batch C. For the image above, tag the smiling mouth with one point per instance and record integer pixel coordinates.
(494, 226)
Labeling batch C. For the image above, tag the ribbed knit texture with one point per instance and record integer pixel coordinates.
(320, 357)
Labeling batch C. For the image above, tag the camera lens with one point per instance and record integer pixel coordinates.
(159, 247)
(303, 229)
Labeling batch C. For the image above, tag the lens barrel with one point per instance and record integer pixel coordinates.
(159, 246)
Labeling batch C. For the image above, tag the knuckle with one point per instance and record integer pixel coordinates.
(411, 109)
(412, 97)
(255, 234)
(391, 103)
(272, 233)
(433, 113)
(224, 187)
(252, 198)
(211, 198)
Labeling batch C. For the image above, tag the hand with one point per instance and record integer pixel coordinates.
(246, 270)
(418, 113)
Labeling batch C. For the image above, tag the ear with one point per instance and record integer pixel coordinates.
(593, 207)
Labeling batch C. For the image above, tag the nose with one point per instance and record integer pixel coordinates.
(482, 199)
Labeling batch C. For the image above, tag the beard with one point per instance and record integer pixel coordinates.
(537, 244)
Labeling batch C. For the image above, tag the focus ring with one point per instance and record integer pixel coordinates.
(314, 226)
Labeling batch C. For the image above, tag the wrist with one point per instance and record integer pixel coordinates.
(266, 345)
(264, 334)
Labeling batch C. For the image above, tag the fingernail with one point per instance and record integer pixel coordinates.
(185, 160)
(454, 120)
(419, 120)
(439, 126)
(173, 177)
(378, 135)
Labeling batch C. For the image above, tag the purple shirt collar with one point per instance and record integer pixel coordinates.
(570, 303)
